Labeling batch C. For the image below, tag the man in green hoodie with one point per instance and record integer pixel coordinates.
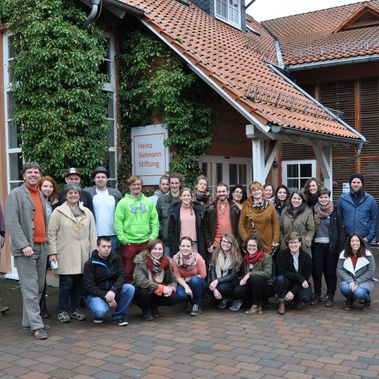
(136, 223)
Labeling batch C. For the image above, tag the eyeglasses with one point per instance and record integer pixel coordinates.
(225, 241)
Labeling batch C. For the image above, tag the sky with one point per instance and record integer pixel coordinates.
(268, 9)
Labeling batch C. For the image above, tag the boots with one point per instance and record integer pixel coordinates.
(281, 308)
(255, 310)
(349, 304)
(330, 301)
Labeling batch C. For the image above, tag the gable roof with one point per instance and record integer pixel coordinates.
(329, 34)
(232, 63)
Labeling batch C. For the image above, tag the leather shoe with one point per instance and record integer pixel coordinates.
(281, 308)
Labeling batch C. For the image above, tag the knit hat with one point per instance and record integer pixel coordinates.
(71, 186)
(357, 175)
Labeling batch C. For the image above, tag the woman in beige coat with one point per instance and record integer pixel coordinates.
(71, 239)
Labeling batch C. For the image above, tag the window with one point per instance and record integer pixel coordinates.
(13, 143)
(230, 170)
(229, 11)
(296, 173)
(108, 68)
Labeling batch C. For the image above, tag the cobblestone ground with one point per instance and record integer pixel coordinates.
(314, 343)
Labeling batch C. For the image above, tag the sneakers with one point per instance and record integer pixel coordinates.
(236, 305)
(121, 322)
(40, 334)
(98, 320)
(255, 310)
(78, 315)
(63, 317)
(223, 303)
(316, 299)
(196, 310)
(349, 305)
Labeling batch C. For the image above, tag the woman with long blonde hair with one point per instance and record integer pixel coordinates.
(224, 269)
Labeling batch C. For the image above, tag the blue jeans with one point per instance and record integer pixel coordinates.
(198, 286)
(359, 294)
(70, 292)
(99, 307)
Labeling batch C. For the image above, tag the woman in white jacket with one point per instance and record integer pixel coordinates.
(71, 239)
(356, 268)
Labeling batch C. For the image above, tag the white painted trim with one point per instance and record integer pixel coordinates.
(227, 19)
(324, 158)
(285, 163)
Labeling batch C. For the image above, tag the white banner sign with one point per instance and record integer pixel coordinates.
(150, 155)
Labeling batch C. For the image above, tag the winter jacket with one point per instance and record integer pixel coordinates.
(71, 240)
(362, 274)
(174, 228)
(263, 268)
(265, 222)
(101, 275)
(284, 264)
(19, 216)
(163, 208)
(303, 224)
(210, 222)
(358, 218)
(141, 274)
(136, 220)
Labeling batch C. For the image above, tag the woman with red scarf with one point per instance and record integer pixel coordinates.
(255, 286)
(154, 280)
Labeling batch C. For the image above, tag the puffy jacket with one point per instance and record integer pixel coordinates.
(358, 218)
(136, 220)
(101, 275)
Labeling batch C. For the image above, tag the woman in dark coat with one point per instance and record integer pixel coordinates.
(294, 268)
(185, 221)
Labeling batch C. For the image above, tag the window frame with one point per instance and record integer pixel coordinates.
(287, 163)
(228, 19)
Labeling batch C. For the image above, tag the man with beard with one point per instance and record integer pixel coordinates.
(358, 209)
(219, 218)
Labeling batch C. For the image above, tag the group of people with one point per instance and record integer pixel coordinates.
(180, 244)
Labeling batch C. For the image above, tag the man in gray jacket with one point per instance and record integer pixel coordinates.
(104, 200)
(25, 219)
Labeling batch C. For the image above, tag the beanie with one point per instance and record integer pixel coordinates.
(357, 175)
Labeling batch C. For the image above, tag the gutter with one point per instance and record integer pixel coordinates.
(329, 112)
(134, 11)
(95, 12)
(263, 128)
(333, 62)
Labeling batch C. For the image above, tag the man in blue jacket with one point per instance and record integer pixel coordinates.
(104, 283)
(358, 209)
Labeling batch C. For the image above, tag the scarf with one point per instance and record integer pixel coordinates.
(157, 268)
(255, 207)
(312, 200)
(322, 211)
(223, 264)
(201, 197)
(296, 211)
(187, 262)
(255, 258)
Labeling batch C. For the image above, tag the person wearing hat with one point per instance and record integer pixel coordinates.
(104, 200)
(71, 239)
(73, 176)
(358, 209)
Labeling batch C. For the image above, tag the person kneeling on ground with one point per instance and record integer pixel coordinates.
(294, 268)
(154, 280)
(190, 272)
(104, 283)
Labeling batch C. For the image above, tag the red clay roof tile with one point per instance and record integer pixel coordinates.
(237, 63)
(320, 35)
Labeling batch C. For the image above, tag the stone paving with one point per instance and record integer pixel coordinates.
(314, 343)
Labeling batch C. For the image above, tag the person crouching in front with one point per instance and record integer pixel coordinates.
(104, 283)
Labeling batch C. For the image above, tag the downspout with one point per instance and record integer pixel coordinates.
(95, 11)
(348, 160)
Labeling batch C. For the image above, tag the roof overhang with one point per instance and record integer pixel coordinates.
(332, 62)
(118, 8)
